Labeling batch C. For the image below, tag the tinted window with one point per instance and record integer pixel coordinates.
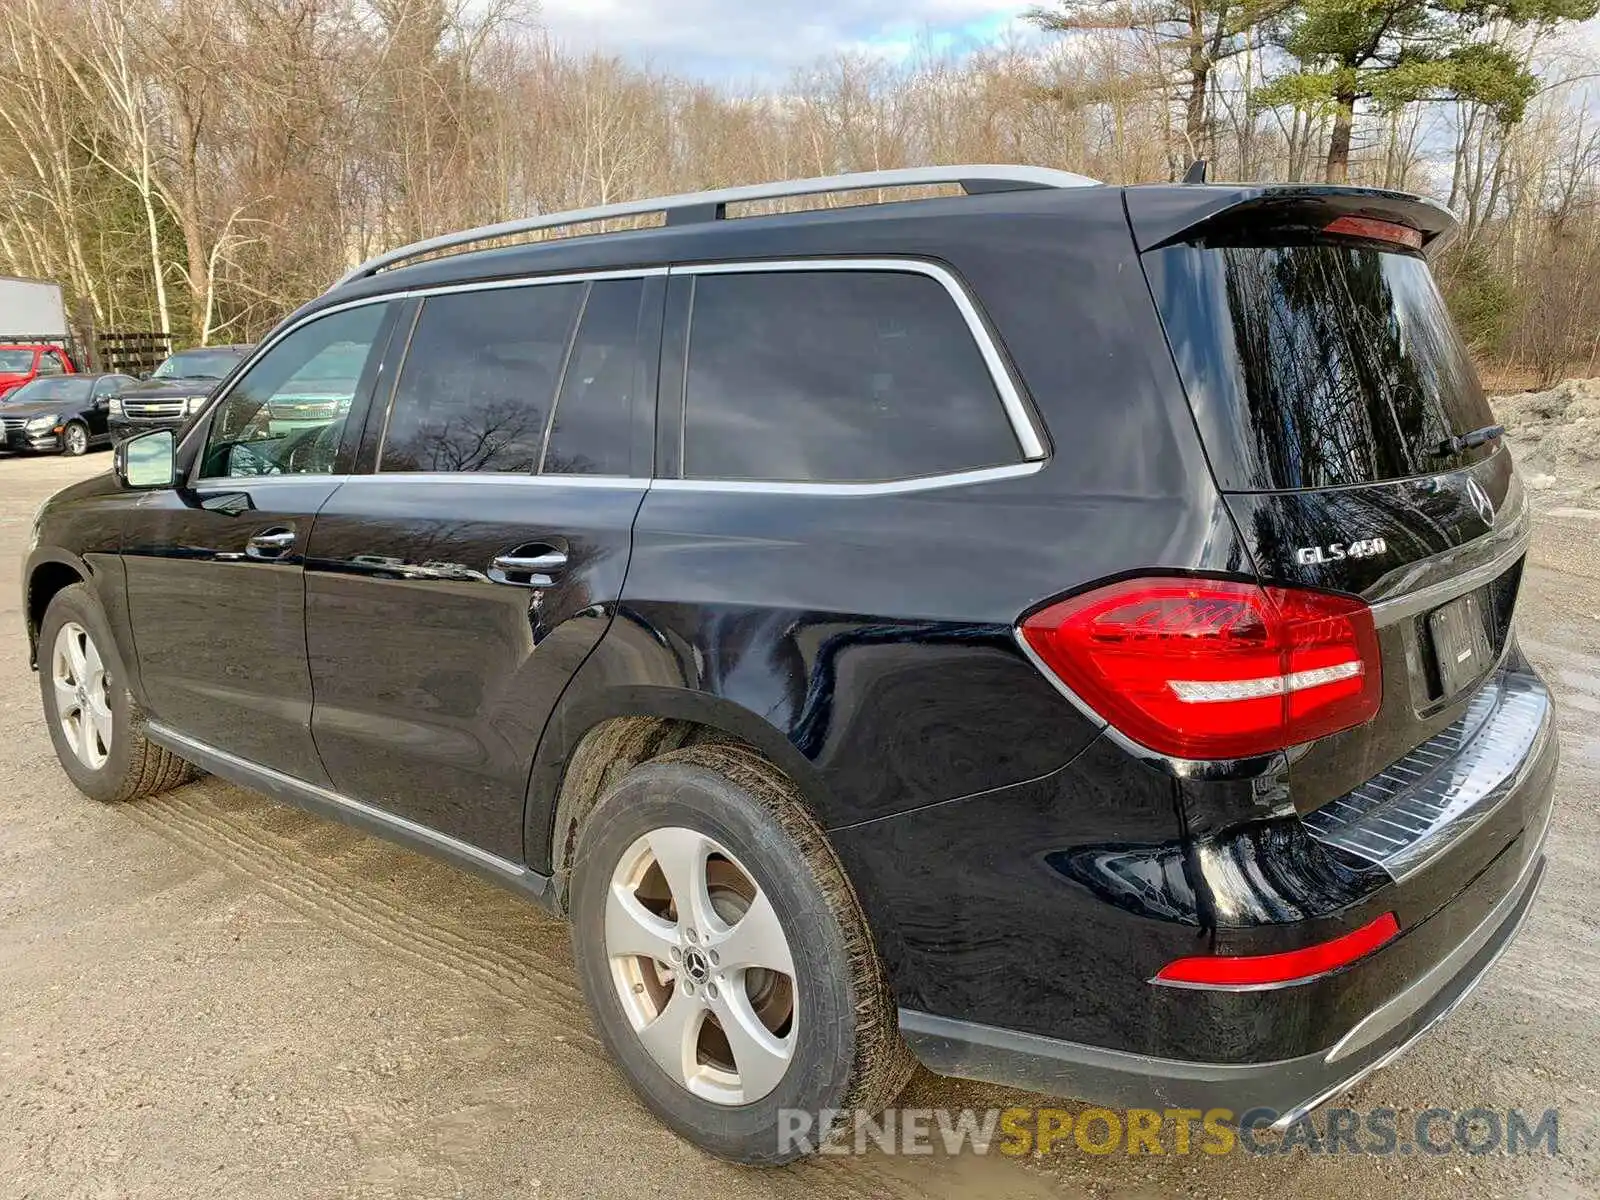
(62, 387)
(49, 364)
(589, 434)
(839, 376)
(1317, 364)
(286, 414)
(478, 380)
(198, 364)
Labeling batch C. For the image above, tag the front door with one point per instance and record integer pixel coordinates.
(215, 567)
(452, 594)
(100, 405)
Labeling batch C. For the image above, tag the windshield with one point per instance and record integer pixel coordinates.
(58, 388)
(1317, 364)
(16, 362)
(197, 364)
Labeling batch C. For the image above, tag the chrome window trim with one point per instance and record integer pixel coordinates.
(1023, 428)
(635, 483)
(520, 281)
(220, 484)
(889, 487)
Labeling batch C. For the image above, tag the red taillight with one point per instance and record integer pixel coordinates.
(1202, 668)
(1378, 231)
(1295, 966)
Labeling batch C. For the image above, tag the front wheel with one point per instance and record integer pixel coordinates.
(95, 724)
(75, 439)
(726, 960)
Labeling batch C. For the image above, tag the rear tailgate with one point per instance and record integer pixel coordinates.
(1346, 426)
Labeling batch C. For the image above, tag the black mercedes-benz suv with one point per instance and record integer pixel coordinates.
(1060, 633)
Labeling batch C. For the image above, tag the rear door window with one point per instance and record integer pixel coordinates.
(479, 380)
(1317, 364)
(836, 376)
(589, 432)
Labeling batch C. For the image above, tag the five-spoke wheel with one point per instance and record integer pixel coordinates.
(83, 695)
(701, 966)
(725, 956)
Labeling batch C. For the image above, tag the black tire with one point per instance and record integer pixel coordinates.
(847, 1053)
(134, 767)
(75, 439)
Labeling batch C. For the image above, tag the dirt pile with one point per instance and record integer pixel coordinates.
(1555, 435)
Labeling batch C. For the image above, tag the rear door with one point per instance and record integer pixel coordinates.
(455, 586)
(1347, 427)
(216, 590)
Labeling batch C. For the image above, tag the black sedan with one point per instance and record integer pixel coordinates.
(65, 413)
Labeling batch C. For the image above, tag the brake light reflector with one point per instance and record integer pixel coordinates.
(1204, 668)
(1294, 966)
(1379, 231)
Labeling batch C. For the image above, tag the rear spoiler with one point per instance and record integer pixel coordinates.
(1162, 214)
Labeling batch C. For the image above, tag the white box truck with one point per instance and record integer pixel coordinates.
(31, 309)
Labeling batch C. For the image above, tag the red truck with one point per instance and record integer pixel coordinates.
(23, 362)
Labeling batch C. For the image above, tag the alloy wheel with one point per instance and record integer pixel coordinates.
(702, 966)
(75, 439)
(83, 695)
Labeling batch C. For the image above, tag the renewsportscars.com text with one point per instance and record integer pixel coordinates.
(1020, 1131)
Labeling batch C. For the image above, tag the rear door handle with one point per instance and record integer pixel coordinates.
(528, 566)
(270, 544)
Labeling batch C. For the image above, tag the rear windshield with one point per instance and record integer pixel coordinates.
(198, 364)
(61, 387)
(1317, 364)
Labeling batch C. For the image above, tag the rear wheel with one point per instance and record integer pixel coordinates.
(94, 723)
(725, 957)
(75, 439)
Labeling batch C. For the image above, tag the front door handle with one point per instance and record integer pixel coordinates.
(528, 566)
(270, 544)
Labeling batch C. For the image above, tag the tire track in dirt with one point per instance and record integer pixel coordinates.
(294, 877)
(513, 960)
(298, 878)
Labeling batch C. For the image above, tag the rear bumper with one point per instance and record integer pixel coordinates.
(1289, 1088)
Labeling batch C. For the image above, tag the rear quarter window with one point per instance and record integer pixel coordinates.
(836, 377)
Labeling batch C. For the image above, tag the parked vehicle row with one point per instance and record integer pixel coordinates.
(1061, 633)
(47, 405)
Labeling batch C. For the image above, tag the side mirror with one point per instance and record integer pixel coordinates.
(146, 461)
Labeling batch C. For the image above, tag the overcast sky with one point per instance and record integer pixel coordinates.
(761, 39)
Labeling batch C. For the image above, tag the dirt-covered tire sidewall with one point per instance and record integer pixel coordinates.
(77, 603)
(663, 794)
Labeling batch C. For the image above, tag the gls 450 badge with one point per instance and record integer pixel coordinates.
(1310, 556)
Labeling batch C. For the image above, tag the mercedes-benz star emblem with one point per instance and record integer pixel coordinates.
(1480, 501)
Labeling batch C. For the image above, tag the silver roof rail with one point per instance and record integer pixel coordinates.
(711, 206)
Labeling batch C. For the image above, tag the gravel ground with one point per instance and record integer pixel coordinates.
(210, 995)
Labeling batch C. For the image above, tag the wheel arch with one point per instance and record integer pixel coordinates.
(49, 573)
(586, 749)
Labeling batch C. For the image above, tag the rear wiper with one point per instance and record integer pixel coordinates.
(1468, 441)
